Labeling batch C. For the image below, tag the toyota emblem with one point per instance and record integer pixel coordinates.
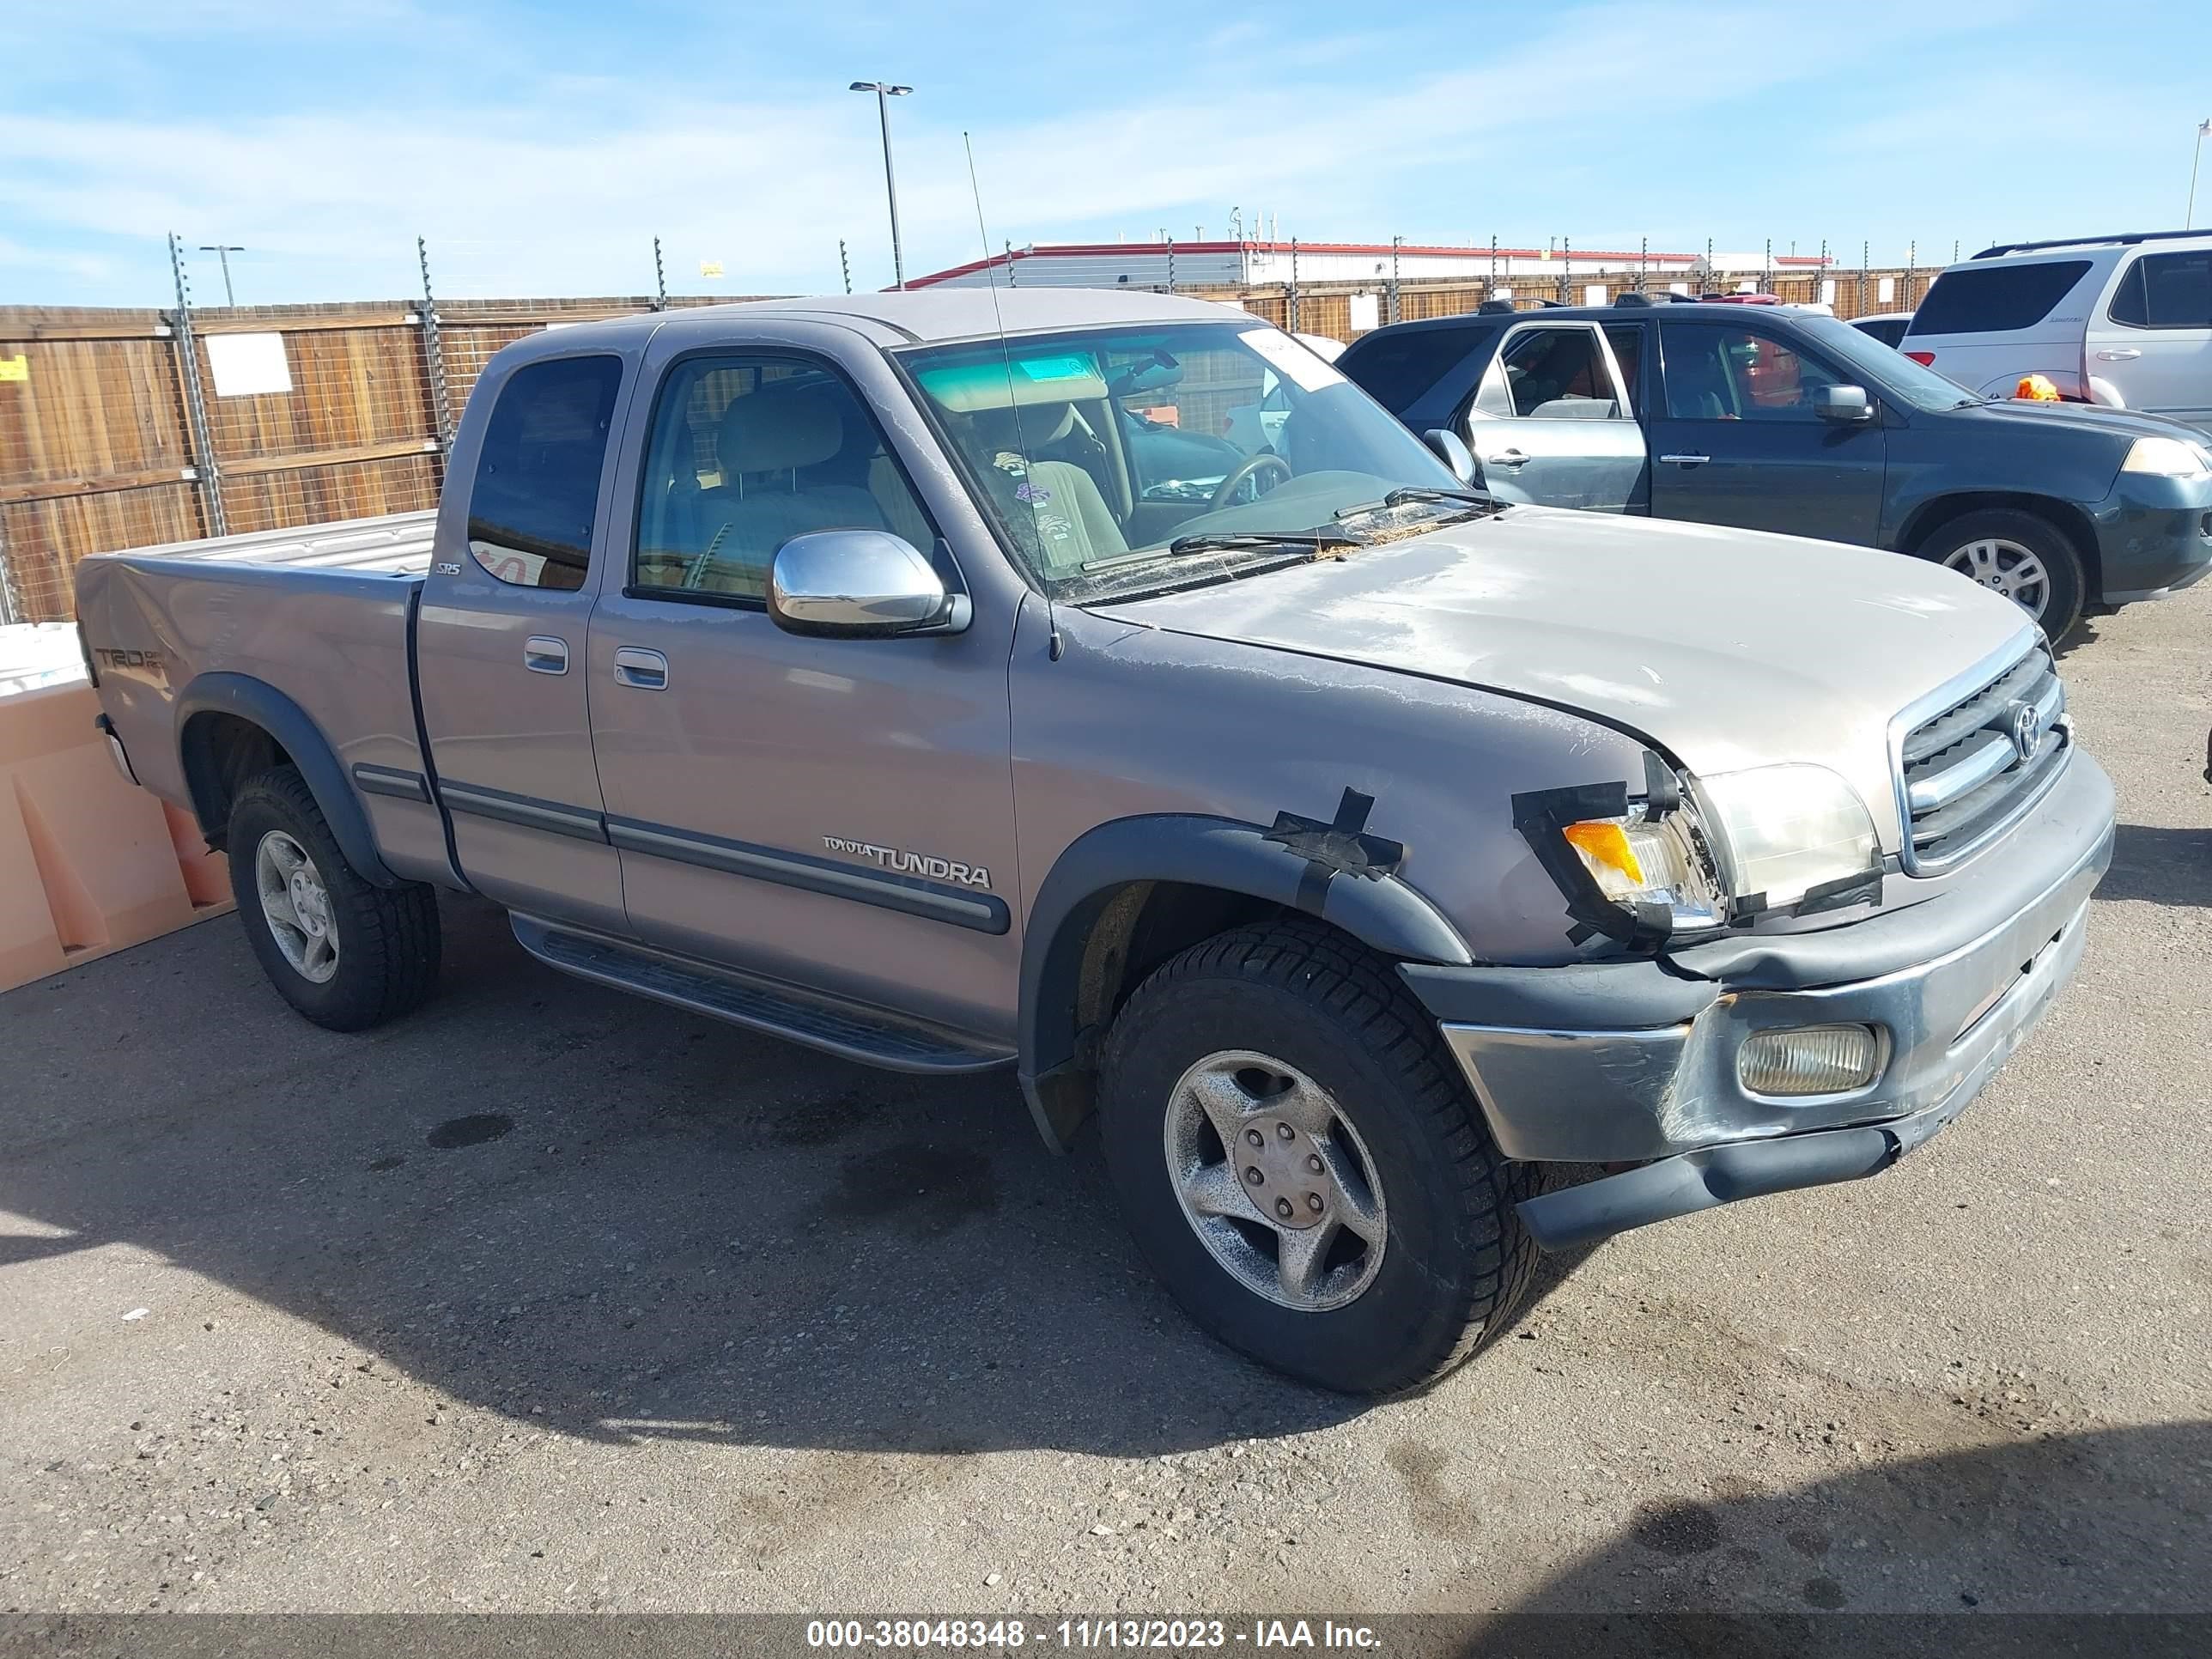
(2026, 731)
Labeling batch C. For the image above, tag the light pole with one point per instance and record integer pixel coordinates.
(224, 251)
(884, 92)
(2189, 219)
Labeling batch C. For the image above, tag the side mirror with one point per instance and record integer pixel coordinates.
(856, 584)
(1843, 404)
(1451, 449)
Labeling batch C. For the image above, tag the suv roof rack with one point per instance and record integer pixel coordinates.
(2128, 239)
(1495, 307)
(1631, 299)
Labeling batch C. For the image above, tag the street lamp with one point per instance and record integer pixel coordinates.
(224, 251)
(2189, 219)
(886, 91)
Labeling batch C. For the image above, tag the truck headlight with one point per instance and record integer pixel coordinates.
(1784, 830)
(2166, 458)
(1640, 859)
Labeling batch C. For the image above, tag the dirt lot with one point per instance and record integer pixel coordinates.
(550, 1299)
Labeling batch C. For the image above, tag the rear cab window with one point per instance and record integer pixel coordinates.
(536, 493)
(1995, 298)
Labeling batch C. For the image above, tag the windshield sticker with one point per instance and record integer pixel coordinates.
(1293, 360)
(1057, 369)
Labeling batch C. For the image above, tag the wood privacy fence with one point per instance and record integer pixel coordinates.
(115, 433)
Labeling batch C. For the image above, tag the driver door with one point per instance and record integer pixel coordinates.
(1552, 424)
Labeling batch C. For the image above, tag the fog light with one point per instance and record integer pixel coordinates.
(1809, 1059)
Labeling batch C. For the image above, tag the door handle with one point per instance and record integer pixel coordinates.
(542, 654)
(1506, 457)
(2119, 354)
(646, 669)
(1686, 460)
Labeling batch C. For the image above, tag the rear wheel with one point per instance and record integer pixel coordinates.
(2028, 559)
(1301, 1165)
(346, 953)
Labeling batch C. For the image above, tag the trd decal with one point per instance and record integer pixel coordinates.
(145, 662)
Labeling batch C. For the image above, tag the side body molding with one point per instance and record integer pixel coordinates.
(1384, 914)
(264, 705)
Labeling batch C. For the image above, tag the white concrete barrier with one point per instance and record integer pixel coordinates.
(89, 862)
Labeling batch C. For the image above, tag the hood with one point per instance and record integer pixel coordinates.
(1728, 649)
(2122, 426)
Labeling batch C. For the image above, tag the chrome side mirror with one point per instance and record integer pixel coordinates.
(855, 584)
(1846, 404)
(1451, 449)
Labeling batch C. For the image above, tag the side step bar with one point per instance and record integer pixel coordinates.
(850, 1030)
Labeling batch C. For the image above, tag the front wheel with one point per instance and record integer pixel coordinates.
(1300, 1163)
(343, 951)
(2028, 559)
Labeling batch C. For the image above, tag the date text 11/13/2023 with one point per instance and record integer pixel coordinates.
(1167, 1634)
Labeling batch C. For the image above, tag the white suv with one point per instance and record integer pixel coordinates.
(2121, 320)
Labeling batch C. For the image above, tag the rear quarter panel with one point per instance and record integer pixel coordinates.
(334, 643)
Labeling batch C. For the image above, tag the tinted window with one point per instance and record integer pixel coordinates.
(1737, 375)
(747, 453)
(1887, 330)
(537, 488)
(1627, 340)
(1995, 298)
(1395, 367)
(1551, 374)
(2166, 290)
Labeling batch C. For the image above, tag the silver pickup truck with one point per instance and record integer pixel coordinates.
(1099, 686)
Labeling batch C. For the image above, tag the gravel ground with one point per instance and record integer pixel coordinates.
(549, 1299)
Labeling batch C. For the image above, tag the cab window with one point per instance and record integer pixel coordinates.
(747, 453)
(536, 493)
(1740, 374)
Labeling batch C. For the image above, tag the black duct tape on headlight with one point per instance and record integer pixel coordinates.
(1541, 816)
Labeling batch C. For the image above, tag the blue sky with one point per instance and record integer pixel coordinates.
(541, 148)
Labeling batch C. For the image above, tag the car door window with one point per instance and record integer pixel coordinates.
(1553, 372)
(746, 453)
(1740, 374)
(2165, 290)
(536, 492)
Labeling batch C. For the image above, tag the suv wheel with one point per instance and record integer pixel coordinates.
(1301, 1165)
(2028, 560)
(344, 952)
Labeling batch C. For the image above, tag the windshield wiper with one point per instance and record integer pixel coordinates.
(1239, 541)
(1407, 495)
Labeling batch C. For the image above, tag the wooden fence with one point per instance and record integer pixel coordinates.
(101, 449)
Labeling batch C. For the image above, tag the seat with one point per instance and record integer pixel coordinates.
(765, 439)
(1072, 522)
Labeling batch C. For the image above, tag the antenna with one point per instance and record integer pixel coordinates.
(1054, 647)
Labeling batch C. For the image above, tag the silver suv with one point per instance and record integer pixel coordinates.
(2125, 321)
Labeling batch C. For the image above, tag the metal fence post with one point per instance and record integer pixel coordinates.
(1294, 285)
(1644, 265)
(660, 279)
(1566, 268)
(1866, 258)
(433, 354)
(1912, 269)
(1396, 242)
(1171, 287)
(10, 610)
(188, 361)
(1012, 280)
(844, 264)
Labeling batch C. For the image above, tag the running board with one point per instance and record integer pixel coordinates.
(850, 1030)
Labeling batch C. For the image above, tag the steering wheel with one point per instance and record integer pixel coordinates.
(1253, 464)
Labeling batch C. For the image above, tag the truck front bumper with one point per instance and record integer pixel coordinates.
(2153, 537)
(1637, 1061)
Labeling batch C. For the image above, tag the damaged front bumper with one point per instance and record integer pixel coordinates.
(1636, 1062)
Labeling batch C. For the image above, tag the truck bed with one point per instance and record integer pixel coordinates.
(321, 615)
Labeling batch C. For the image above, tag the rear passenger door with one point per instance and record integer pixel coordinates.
(766, 789)
(2154, 341)
(1552, 424)
(500, 639)
(1735, 439)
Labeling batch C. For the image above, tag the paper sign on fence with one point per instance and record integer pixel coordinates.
(248, 365)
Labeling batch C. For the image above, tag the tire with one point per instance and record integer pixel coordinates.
(2008, 534)
(1449, 1257)
(382, 943)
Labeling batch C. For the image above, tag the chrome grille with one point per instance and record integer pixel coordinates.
(1967, 771)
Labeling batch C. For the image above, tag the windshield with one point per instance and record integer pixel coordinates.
(1885, 367)
(1206, 446)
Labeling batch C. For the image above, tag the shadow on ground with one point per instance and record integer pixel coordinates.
(552, 1199)
(2162, 866)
